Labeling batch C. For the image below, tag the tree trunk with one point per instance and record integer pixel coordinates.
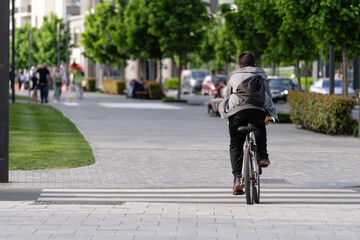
(160, 70)
(273, 69)
(226, 69)
(108, 71)
(298, 71)
(123, 70)
(344, 73)
(179, 82)
(259, 61)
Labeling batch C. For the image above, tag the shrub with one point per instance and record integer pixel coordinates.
(171, 83)
(154, 90)
(114, 86)
(172, 99)
(328, 114)
(284, 117)
(90, 84)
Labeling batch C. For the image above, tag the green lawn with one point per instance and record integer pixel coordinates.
(42, 138)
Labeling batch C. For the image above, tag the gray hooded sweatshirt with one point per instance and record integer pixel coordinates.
(233, 104)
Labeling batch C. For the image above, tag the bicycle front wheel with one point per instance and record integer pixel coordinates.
(248, 178)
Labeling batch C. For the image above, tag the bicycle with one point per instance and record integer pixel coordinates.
(251, 170)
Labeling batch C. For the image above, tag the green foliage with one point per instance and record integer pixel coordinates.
(98, 37)
(294, 36)
(42, 138)
(22, 47)
(355, 128)
(43, 46)
(45, 40)
(336, 23)
(142, 44)
(171, 83)
(179, 25)
(90, 84)
(171, 99)
(321, 113)
(252, 25)
(309, 82)
(114, 86)
(155, 90)
(284, 117)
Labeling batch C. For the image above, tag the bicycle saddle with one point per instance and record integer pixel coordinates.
(249, 128)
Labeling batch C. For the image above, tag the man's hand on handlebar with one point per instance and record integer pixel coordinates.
(269, 120)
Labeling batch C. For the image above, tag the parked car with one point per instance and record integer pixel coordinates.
(323, 86)
(280, 87)
(191, 80)
(208, 85)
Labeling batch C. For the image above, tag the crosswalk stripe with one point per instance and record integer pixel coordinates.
(199, 195)
(196, 190)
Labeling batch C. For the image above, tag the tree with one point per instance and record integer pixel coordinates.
(224, 47)
(337, 23)
(98, 37)
(251, 24)
(22, 47)
(294, 37)
(45, 40)
(141, 43)
(120, 34)
(179, 25)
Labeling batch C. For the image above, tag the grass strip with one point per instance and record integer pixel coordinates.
(40, 137)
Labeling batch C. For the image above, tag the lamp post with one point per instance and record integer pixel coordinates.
(12, 51)
(4, 90)
(331, 70)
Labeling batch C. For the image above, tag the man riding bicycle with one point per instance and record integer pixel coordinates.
(247, 100)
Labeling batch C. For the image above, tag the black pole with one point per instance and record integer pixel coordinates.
(67, 51)
(331, 70)
(29, 62)
(58, 43)
(4, 91)
(13, 52)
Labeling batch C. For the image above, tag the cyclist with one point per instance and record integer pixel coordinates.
(247, 100)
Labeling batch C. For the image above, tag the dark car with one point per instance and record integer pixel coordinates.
(280, 88)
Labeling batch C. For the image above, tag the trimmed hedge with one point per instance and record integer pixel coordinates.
(90, 84)
(114, 86)
(171, 83)
(321, 113)
(172, 99)
(284, 117)
(155, 90)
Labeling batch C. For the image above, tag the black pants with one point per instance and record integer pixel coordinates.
(242, 118)
(44, 92)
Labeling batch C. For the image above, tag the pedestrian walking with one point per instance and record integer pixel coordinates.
(44, 82)
(58, 82)
(21, 79)
(78, 75)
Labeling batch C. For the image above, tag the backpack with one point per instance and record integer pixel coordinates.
(252, 90)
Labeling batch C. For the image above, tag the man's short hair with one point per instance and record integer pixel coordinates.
(246, 58)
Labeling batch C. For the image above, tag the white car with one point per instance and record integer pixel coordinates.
(322, 86)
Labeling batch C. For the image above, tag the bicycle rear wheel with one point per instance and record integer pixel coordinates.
(248, 178)
(257, 184)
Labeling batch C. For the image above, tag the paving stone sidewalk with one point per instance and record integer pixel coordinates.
(137, 148)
